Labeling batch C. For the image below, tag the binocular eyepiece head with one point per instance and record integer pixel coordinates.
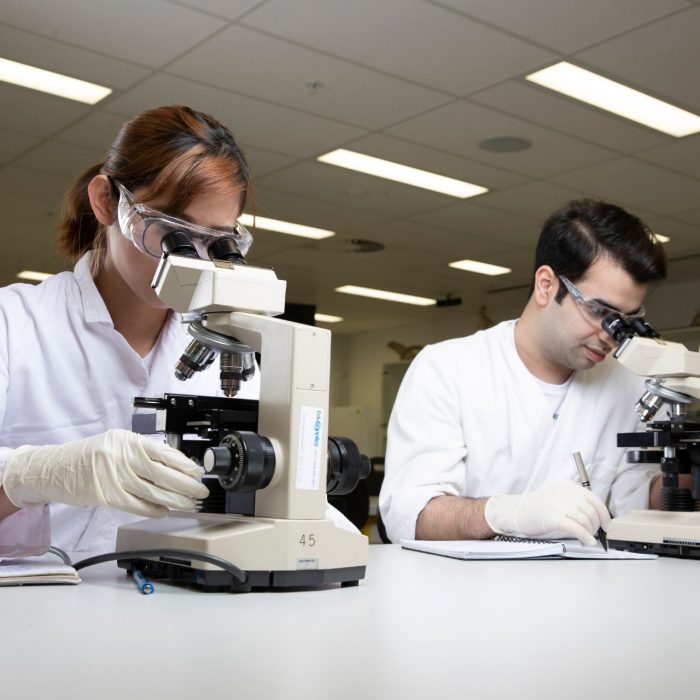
(619, 329)
(178, 242)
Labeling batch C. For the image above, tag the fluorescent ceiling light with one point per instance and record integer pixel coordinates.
(619, 99)
(327, 318)
(386, 296)
(284, 227)
(53, 83)
(480, 267)
(661, 238)
(401, 173)
(33, 276)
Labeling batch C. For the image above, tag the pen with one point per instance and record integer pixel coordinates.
(583, 475)
(145, 586)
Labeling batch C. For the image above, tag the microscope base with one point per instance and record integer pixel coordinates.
(667, 533)
(274, 553)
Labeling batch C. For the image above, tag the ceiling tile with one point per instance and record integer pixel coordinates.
(685, 237)
(12, 144)
(310, 211)
(60, 159)
(459, 128)
(43, 52)
(307, 80)
(536, 200)
(692, 216)
(659, 58)
(33, 211)
(132, 28)
(484, 223)
(417, 156)
(632, 182)
(45, 187)
(681, 155)
(549, 110)
(428, 44)
(262, 161)
(97, 130)
(566, 25)
(276, 128)
(36, 113)
(455, 244)
(230, 9)
(353, 190)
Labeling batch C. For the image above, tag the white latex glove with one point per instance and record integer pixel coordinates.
(116, 469)
(565, 507)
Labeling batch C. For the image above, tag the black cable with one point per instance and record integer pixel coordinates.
(232, 569)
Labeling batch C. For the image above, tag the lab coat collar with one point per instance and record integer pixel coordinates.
(94, 308)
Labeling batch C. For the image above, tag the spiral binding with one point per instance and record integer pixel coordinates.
(528, 540)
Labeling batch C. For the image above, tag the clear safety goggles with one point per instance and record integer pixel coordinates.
(595, 311)
(146, 228)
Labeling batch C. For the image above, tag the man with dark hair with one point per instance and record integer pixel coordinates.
(483, 430)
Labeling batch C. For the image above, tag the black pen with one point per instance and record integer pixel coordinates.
(583, 475)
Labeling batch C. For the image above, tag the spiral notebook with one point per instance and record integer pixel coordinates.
(517, 548)
(36, 570)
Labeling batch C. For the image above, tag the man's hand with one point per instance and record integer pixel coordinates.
(564, 507)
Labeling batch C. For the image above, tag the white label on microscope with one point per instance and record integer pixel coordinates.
(311, 449)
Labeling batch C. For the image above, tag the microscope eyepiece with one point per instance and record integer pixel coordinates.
(225, 248)
(178, 243)
(641, 327)
(617, 328)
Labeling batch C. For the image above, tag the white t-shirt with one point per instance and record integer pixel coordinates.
(470, 420)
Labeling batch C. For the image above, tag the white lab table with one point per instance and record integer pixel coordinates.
(418, 626)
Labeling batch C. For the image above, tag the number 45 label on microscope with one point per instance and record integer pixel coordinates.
(310, 448)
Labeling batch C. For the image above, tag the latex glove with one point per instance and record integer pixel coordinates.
(116, 469)
(564, 507)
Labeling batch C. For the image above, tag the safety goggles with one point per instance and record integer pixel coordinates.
(595, 311)
(146, 228)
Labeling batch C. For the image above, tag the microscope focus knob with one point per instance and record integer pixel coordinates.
(244, 461)
(217, 461)
(346, 466)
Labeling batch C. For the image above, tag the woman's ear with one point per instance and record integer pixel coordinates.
(102, 199)
(546, 285)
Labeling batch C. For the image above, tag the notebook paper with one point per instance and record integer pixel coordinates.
(528, 549)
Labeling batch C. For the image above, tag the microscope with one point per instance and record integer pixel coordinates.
(269, 463)
(673, 381)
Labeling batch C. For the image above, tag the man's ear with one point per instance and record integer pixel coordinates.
(102, 199)
(546, 285)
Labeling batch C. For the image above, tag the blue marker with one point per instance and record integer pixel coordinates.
(145, 586)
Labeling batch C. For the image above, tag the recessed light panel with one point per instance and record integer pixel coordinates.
(584, 85)
(32, 276)
(386, 296)
(328, 318)
(284, 227)
(401, 173)
(52, 83)
(480, 267)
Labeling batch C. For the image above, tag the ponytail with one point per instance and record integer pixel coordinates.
(80, 230)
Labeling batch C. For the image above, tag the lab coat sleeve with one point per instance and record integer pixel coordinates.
(630, 488)
(426, 448)
(28, 531)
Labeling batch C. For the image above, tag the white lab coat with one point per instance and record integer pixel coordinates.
(66, 374)
(470, 420)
